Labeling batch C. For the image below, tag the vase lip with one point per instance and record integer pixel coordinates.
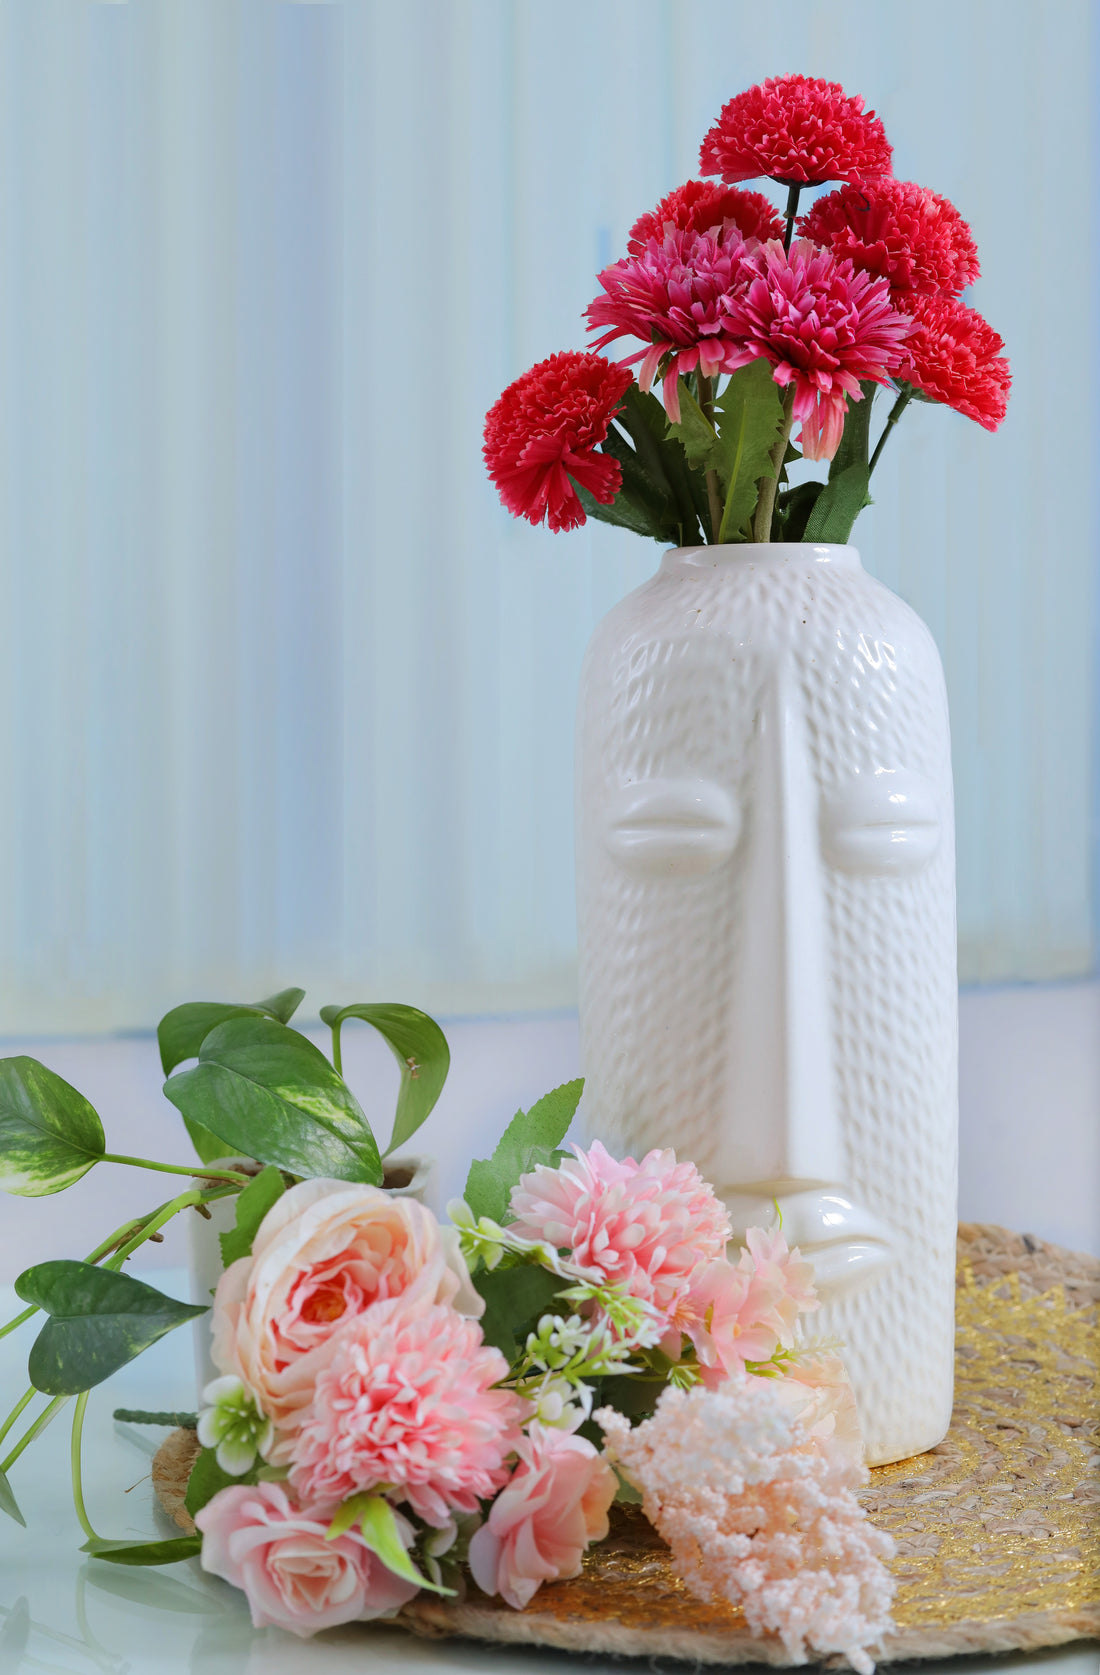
(742, 554)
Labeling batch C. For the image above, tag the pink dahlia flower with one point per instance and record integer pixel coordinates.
(650, 1226)
(326, 1251)
(675, 297)
(407, 1400)
(759, 1514)
(291, 1574)
(800, 130)
(955, 357)
(702, 206)
(899, 232)
(540, 1524)
(823, 327)
(545, 429)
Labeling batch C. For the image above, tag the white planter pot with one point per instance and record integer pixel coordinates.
(406, 1177)
(766, 905)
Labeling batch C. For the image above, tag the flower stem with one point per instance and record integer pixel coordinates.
(896, 412)
(35, 1430)
(74, 1455)
(16, 1411)
(153, 1223)
(337, 1062)
(762, 523)
(714, 488)
(178, 1169)
(794, 190)
(18, 1321)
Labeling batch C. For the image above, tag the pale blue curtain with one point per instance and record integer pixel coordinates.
(286, 696)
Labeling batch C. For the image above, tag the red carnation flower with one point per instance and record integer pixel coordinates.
(800, 131)
(898, 231)
(674, 297)
(823, 327)
(545, 429)
(955, 357)
(702, 206)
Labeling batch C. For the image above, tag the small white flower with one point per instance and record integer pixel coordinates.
(233, 1425)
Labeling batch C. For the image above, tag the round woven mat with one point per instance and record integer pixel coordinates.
(998, 1529)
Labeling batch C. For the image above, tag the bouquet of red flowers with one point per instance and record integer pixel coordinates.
(804, 329)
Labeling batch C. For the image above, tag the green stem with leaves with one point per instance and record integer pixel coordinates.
(765, 505)
(714, 487)
(895, 414)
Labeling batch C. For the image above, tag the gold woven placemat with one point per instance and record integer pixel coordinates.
(998, 1529)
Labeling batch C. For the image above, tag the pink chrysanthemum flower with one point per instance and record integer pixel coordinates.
(955, 357)
(545, 429)
(674, 297)
(897, 231)
(649, 1226)
(800, 130)
(759, 1512)
(823, 327)
(407, 1400)
(702, 206)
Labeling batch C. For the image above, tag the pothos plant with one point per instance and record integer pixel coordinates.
(804, 330)
(261, 1095)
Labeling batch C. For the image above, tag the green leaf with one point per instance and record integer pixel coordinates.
(99, 1320)
(378, 1523)
(273, 1096)
(8, 1502)
(855, 441)
(182, 1031)
(144, 1552)
(423, 1057)
(695, 433)
(793, 509)
(207, 1478)
(623, 512)
(663, 458)
(838, 506)
(252, 1206)
(515, 1298)
(49, 1134)
(529, 1140)
(749, 414)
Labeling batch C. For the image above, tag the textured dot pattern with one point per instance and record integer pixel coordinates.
(674, 685)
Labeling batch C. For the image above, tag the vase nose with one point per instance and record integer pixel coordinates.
(782, 1125)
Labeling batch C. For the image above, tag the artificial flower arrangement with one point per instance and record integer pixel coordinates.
(403, 1405)
(807, 329)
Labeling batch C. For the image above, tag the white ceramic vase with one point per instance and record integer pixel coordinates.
(766, 905)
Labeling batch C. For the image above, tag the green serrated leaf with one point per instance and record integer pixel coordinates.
(529, 1140)
(253, 1204)
(378, 1525)
(423, 1057)
(749, 414)
(663, 459)
(838, 506)
(793, 509)
(8, 1502)
(207, 1479)
(515, 1298)
(49, 1134)
(623, 512)
(855, 441)
(144, 1552)
(695, 433)
(99, 1320)
(272, 1095)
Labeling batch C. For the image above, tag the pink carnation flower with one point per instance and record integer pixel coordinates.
(675, 297)
(650, 1226)
(407, 1399)
(898, 231)
(540, 1524)
(954, 356)
(702, 206)
(758, 1513)
(787, 1271)
(744, 1313)
(797, 129)
(823, 327)
(292, 1577)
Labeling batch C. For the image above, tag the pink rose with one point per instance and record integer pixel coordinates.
(325, 1252)
(292, 1577)
(539, 1526)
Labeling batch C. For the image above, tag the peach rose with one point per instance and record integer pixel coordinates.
(292, 1577)
(325, 1251)
(540, 1524)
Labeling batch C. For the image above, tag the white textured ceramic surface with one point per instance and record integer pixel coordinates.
(766, 903)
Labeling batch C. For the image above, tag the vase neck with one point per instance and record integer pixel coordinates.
(774, 555)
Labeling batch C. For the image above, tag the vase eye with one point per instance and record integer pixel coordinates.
(671, 828)
(884, 824)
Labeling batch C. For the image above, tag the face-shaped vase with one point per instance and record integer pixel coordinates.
(766, 906)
